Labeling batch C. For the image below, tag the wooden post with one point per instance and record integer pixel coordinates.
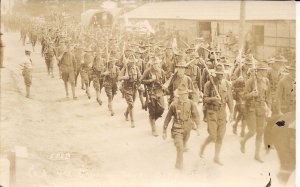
(242, 24)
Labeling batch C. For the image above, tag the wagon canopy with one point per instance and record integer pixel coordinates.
(96, 17)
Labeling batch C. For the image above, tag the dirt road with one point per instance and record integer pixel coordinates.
(77, 143)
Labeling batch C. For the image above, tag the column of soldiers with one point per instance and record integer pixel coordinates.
(251, 89)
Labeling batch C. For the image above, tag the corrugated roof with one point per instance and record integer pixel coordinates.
(216, 10)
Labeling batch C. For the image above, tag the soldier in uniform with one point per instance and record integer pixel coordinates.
(50, 57)
(67, 66)
(153, 79)
(194, 72)
(286, 91)
(216, 95)
(131, 76)
(178, 78)
(110, 82)
(168, 64)
(185, 113)
(258, 101)
(78, 54)
(27, 71)
(97, 69)
(86, 70)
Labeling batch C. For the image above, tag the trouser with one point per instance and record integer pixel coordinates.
(130, 95)
(255, 123)
(110, 90)
(216, 125)
(180, 140)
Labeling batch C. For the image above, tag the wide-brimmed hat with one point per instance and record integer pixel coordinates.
(189, 50)
(261, 66)
(219, 69)
(181, 64)
(182, 89)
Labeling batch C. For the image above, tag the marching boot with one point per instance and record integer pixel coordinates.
(257, 152)
(28, 91)
(185, 148)
(179, 158)
(202, 149)
(98, 98)
(242, 148)
(153, 127)
(66, 89)
(126, 115)
(243, 128)
(217, 154)
(110, 108)
(234, 128)
(73, 92)
(131, 118)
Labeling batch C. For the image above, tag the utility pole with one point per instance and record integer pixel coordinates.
(242, 24)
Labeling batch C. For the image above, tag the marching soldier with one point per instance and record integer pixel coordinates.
(286, 92)
(67, 67)
(97, 69)
(110, 82)
(178, 78)
(168, 64)
(131, 76)
(153, 79)
(49, 57)
(27, 71)
(194, 72)
(78, 54)
(258, 102)
(217, 94)
(86, 70)
(185, 113)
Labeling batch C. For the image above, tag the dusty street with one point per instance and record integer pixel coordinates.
(78, 143)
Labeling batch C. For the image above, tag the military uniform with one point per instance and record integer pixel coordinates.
(286, 93)
(131, 76)
(67, 66)
(256, 108)
(194, 72)
(97, 70)
(154, 80)
(176, 80)
(78, 54)
(185, 114)
(216, 111)
(86, 70)
(49, 57)
(110, 82)
(27, 72)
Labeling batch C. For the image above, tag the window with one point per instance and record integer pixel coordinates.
(258, 31)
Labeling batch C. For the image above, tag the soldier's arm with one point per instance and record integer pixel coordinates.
(268, 94)
(230, 98)
(122, 74)
(169, 116)
(279, 93)
(247, 91)
(206, 94)
(144, 79)
(195, 114)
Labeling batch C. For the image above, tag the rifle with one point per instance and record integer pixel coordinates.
(210, 78)
(254, 69)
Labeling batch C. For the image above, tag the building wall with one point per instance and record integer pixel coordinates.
(278, 36)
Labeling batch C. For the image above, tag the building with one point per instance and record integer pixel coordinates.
(270, 25)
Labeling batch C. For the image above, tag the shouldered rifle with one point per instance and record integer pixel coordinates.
(210, 78)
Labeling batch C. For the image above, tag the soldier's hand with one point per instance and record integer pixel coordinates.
(164, 135)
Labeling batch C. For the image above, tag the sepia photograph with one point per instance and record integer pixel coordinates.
(147, 93)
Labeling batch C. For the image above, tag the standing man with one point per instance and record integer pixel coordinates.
(110, 82)
(286, 91)
(67, 67)
(131, 76)
(27, 71)
(153, 79)
(86, 70)
(98, 68)
(185, 113)
(217, 94)
(258, 102)
(178, 78)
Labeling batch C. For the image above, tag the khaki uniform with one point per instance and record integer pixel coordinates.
(67, 66)
(286, 94)
(185, 114)
(194, 72)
